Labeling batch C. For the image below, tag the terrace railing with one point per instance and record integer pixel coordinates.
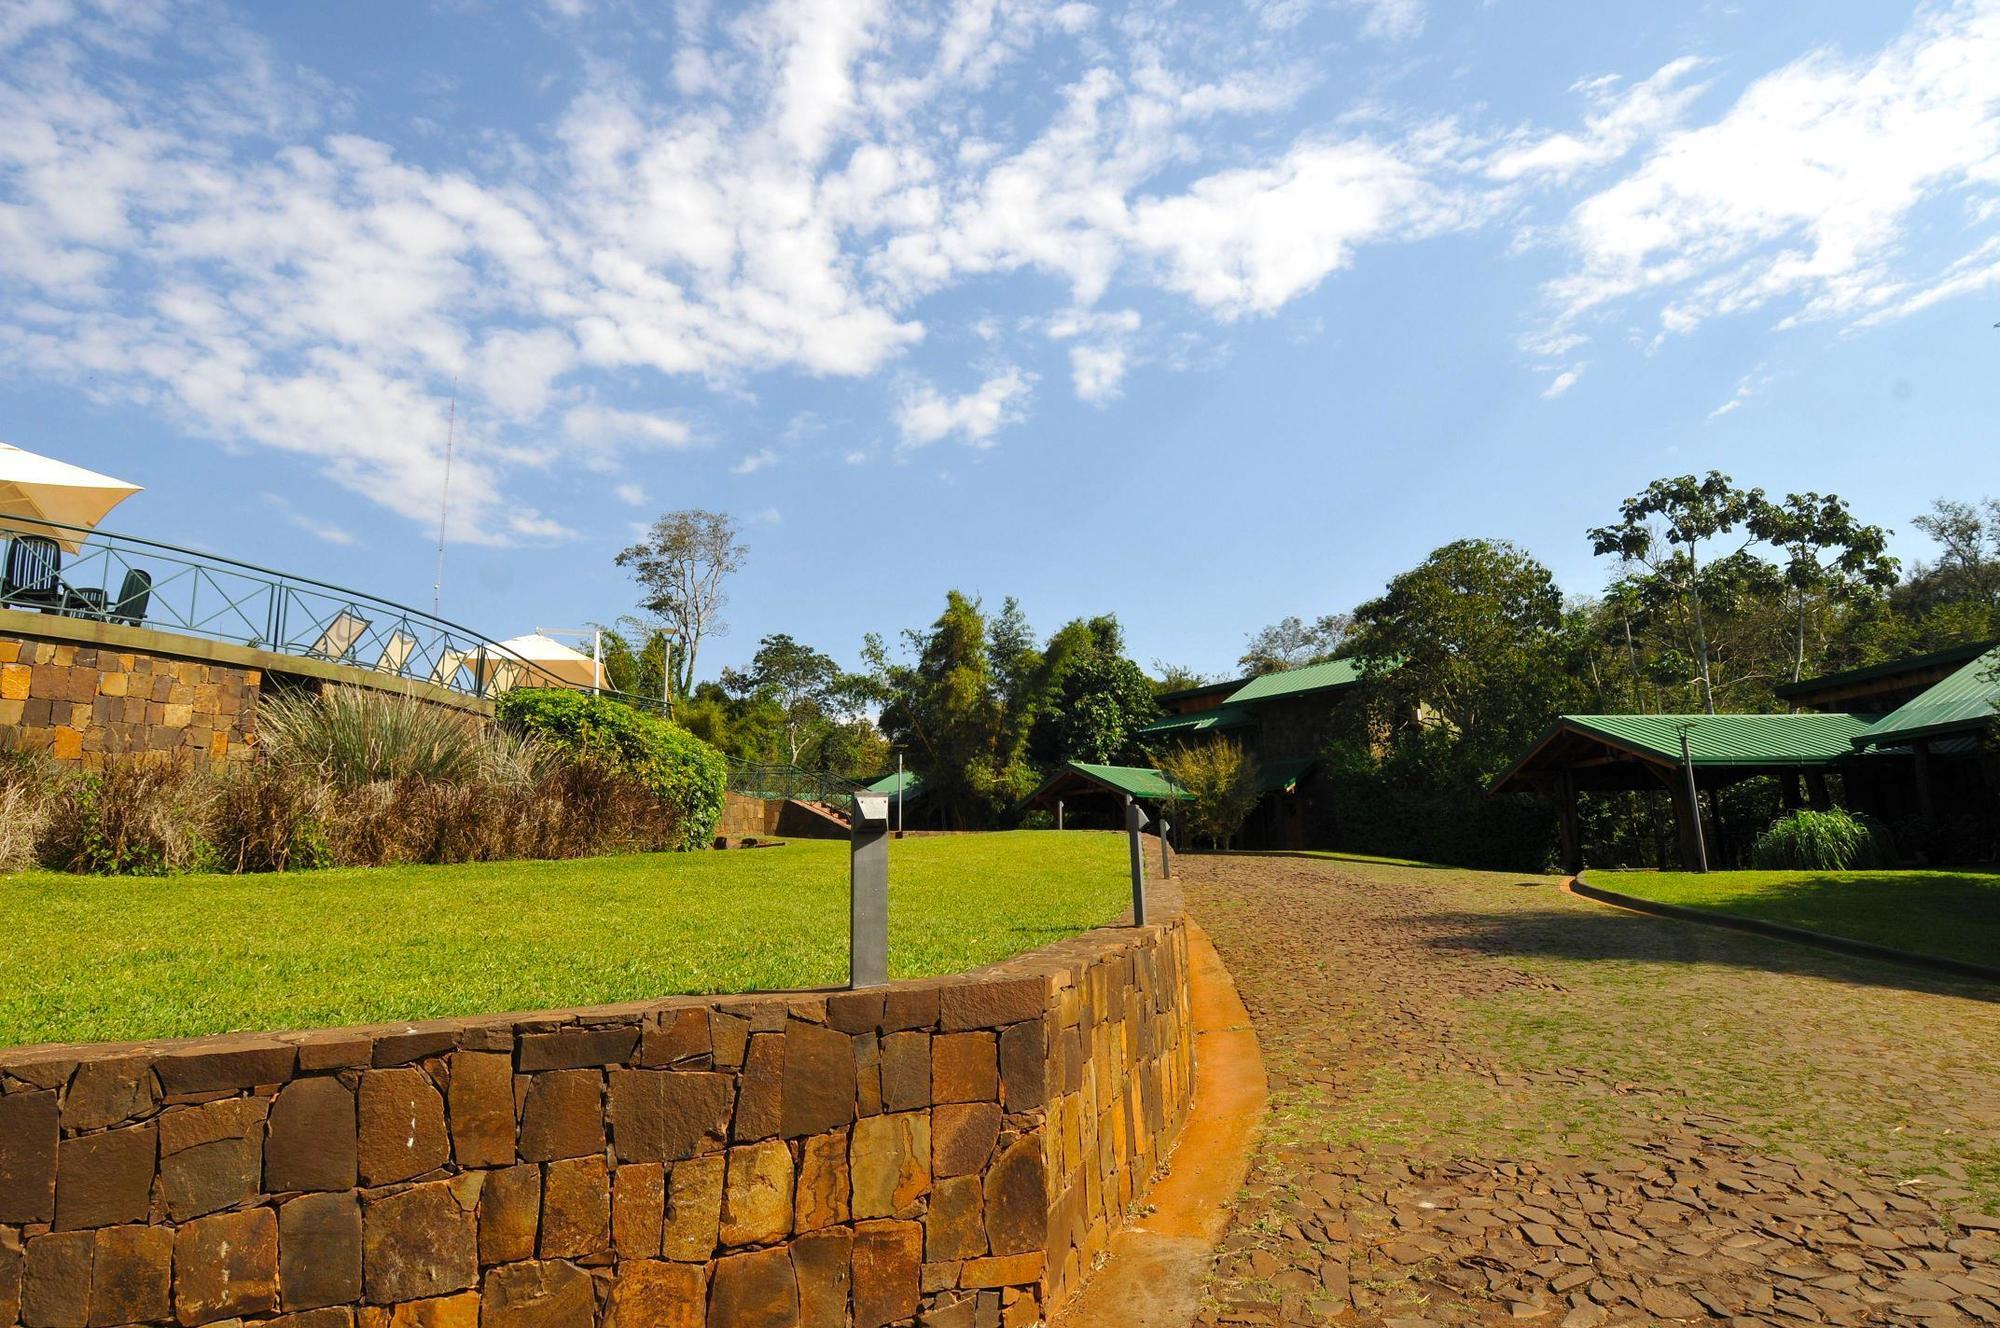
(141, 582)
(759, 780)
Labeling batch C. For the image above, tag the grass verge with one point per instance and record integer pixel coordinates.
(107, 958)
(1954, 915)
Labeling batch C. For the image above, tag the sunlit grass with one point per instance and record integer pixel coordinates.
(90, 958)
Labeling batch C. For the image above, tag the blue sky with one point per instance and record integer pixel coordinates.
(1205, 314)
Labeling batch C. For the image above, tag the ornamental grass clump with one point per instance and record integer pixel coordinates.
(1807, 840)
(357, 736)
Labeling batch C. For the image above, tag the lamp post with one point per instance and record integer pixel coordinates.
(1166, 861)
(668, 635)
(868, 892)
(1135, 821)
(1694, 802)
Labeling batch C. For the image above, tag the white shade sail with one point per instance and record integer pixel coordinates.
(36, 489)
(551, 656)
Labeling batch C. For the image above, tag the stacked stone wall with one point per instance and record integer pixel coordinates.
(952, 1153)
(82, 703)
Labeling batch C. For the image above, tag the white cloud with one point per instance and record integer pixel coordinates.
(1805, 190)
(758, 460)
(601, 425)
(1621, 123)
(1745, 389)
(631, 495)
(318, 529)
(1562, 382)
(770, 516)
(926, 415)
(1098, 372)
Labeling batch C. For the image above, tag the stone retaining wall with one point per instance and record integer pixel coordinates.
(83, 703)
(952, 1152)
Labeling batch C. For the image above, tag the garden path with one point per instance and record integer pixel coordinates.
(1495, 1102)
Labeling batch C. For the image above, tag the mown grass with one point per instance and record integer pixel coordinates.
(99, 958)
(1951, 914)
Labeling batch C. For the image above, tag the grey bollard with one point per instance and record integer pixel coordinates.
(1135, 821)
(1166, 858)
(868, 892)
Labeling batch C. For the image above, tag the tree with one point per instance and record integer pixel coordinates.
(1222, 784)
(1292, 643)
(1177, 678)
(682, 566)
(1829, 557)
(1101, 701)
(1682, 566)
(800, 680)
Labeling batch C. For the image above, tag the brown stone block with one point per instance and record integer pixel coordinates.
(757, 1290)
(823, 1263)
(48, 682)
(890, 1164)
(402, 1127)
(906, 1071)
(482, 1109)
(131, 1277)
(991, 1003)
(13, 714)
(109, 1092)
(888, 1257)
(965, 1068)
(824, 1187)
(16, 681)
(212, 1156)
(460, 1311)
(418, 1243)
(105, 1179)
(336, 1317)
(311, 1142)
(667, 1115)
(577, 1048)
(1024, 1066)
(510, 1213)
(29, 1126)
(818, 1092)
(757, 1195)
(55, 1284)
(218, 1064)
(1017, 1213)
(576, 1209)
(563, 1115)
(411, 1045)
(760, 1095)
(855, 1011)
(537, 1295)
(1009, 1271)
(694, 1209)
(226, 1266)
(909, 1008)
(681, 1039)
(652, 1294)
(319, 1251)
(638, 1208)
(68, 744)
(12, 1256)
(868, 1074)
(962, 1137)
(954, 1228)
(728, 1036)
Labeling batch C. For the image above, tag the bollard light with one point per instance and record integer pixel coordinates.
(1166, 860)
(868, 892)
(1135, 821)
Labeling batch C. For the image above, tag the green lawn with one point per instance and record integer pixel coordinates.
(1953, 914)
(96, 958)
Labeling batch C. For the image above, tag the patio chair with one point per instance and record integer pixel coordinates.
(396, 655)
(339, 637)
(450, 662)
(134, 596)
(33, 577)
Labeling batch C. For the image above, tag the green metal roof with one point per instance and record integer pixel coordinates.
(1291, 682)
(1139, 781)
(910, 780)
(1724, 740)
(1202, 721)
(1965, 700)
(1885, 669)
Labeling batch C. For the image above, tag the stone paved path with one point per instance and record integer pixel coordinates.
(1495, 1103)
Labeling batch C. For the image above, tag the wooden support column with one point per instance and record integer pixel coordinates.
(1572, 829)
(1816, 793)
(1926, 805)
(1788, 790)
(1686, 826)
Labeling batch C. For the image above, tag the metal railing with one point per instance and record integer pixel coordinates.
(146, 583)
(758, 780)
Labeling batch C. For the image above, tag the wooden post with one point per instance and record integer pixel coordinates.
(1572, 830)
(1788, 790)
(1816, 793)
(1926, 806)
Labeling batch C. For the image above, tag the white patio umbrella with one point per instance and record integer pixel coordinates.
(35, 489)
(551, 657)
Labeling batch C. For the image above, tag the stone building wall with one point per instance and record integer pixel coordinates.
(953, 1153)
(83, 702)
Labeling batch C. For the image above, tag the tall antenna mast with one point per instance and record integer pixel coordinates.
(444, 501)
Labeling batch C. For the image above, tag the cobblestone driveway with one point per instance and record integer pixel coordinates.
(1493, 1102)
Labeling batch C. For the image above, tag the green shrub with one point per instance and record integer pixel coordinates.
(683, 772)
(355, 735)
(1807, 840)
(1223, 782)
(133, 818)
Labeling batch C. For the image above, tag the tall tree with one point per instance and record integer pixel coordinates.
(800, 680)
(943, 705)
(1829, 557)
(1968, 568)
(1293, 642)
(682, 567)
(1678, 530)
